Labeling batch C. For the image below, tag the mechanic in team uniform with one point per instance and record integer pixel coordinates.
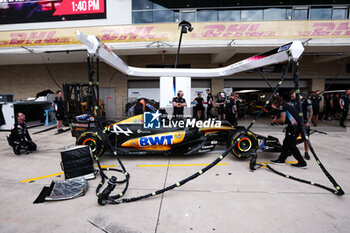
(231, 109)
(344, 106)
(139, 107)
(332, 112)
(327, 107)
(306, 105)
(199, 105)
(19, 138)
(220, 103)
(210, 105)
(337, 111)
(289, 115)
(275, 114)
(178, 106)
(316, 99)
(58, 105)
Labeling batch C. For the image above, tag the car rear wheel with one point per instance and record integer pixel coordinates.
(245, 144)
(92, 140)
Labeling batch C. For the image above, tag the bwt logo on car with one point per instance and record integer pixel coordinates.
(156, 140)
(151, 120)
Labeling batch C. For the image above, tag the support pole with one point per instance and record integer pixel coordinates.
(178, 50)
(176, 62)
(90, 61)
(98, 80)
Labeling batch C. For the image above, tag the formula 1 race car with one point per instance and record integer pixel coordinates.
(131, 137)
(187, 137)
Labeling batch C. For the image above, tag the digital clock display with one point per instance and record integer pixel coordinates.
(51, 10)
(71, 7)
(90, 5)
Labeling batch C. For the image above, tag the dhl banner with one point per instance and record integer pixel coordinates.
(170, 32)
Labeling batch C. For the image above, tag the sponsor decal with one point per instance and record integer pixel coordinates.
(139, 131)
(132, 120)
(161, 141)
(166, 32)
(117, 130)
(156, 140)
(325, 29)
(284, 48)
(207, 147)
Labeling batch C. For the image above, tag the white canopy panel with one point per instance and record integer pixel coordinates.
(281, 54)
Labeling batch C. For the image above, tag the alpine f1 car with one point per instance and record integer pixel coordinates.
(131, 137)
(188, 137)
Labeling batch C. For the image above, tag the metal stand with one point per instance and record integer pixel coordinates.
(184, 27)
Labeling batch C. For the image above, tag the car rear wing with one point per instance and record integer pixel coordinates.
(281, 54)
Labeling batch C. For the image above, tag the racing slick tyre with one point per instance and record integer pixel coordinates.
(244, 146)
(93, 140)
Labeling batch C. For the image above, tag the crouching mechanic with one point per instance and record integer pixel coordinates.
(289, 115)
(19, 138)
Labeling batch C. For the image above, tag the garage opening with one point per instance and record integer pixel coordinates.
(255, 92)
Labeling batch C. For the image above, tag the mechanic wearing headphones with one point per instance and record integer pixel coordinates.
(58, 105)
(316, 99)
(210, 105)
(179, 103)
(139, 107)
(220, 103)
(306, 105)
(231, 109)
(199, 106)
(344, 106)
(19, 138)
(289, 115)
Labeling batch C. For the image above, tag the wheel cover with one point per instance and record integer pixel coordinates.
(245, 144)
(91, 143)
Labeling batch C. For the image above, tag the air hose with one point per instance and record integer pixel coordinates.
(115, 199)
(99, 129)
(337, 189)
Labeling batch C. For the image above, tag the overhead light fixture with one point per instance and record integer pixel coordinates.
(185, 25)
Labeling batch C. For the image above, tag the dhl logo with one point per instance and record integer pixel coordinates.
(156, 141)
(166, 32)
(328, 29)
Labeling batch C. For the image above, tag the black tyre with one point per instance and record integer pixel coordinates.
(94, 141)
(245, 144)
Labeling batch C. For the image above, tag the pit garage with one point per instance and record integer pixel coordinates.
(149, 89)
(255, 92)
